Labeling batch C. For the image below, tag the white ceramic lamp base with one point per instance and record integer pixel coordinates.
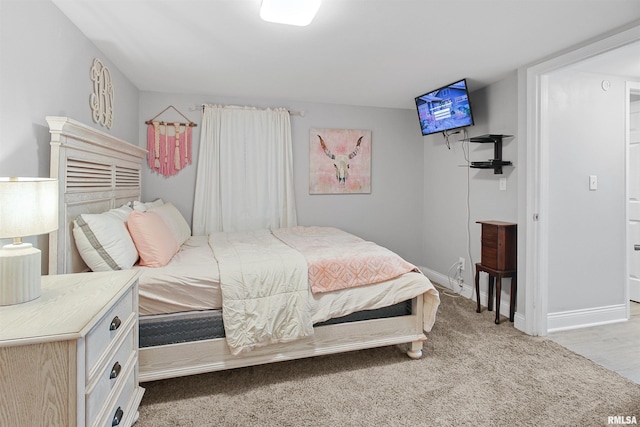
(19, 273)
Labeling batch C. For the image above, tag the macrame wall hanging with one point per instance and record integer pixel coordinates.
(168, 144)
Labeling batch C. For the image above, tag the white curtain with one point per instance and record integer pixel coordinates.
(244, 179)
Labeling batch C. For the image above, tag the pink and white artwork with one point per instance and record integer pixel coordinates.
(339, 161)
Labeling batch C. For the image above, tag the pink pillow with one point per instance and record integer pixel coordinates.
(154, 240)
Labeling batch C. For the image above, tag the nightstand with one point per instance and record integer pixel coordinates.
(70, 357)
(498, 260)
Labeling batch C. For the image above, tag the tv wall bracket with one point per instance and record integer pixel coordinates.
(496, 163)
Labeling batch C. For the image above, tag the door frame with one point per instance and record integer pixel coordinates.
(533, 238)
(631, 87)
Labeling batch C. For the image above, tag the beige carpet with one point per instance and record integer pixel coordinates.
(473, 373)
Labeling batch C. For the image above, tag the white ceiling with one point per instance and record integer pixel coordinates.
(380, 53)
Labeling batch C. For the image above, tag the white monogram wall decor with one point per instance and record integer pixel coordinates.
(102, 96)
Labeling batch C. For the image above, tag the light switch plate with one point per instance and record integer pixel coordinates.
(503, 184)
(593, 182)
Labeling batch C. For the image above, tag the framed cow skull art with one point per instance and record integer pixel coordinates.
(339, 161)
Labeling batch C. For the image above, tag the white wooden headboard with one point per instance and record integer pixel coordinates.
(96, 172)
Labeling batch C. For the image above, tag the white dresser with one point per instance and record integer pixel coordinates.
(70, 357)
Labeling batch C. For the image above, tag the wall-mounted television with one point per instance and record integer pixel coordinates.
(445, 108)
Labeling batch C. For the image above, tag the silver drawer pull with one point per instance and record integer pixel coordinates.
(117, 417)
(115, 371)
(115, 323)
(636, 247)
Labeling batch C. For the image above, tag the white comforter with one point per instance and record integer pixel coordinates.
(265, 291)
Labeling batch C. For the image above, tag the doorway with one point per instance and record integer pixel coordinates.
(633, 192)
(534, 206)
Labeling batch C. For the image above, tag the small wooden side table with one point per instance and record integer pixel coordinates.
(499, 260)
(498, 275)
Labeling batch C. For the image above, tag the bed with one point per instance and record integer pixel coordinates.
(182, 327)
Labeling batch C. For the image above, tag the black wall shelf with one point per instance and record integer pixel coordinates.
(496, 163)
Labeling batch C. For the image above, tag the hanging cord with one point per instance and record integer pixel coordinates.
(457, 279)
(445, 289)
(467, 157)
(447, 134)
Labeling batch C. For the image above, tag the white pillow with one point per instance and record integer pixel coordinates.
(173, 218)
(122, 212)
(103, 240)
(143, 206)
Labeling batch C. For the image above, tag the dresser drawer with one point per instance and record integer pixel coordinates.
(489, 256)
(490, 236)
(110, 377)
(121, 407)
(111, 326)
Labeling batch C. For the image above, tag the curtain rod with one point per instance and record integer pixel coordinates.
(198, 107)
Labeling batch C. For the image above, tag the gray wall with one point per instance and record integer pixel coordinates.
(450, 229)
(45, 67)
(391, 215)
(44, 71)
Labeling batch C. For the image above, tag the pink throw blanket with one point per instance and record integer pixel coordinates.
(339, 260)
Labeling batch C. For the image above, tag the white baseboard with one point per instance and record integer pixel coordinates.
(468, 290)
(560, 321)
(575, 319)
(519, 322)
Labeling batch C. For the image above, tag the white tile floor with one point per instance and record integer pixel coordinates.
(615, 346)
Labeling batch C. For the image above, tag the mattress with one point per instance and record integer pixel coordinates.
(164, 329)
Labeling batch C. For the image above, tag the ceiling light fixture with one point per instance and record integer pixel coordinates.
(290, 12)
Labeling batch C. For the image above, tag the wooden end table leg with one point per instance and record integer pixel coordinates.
(512, 303)
(478, 289)
(498, 292)
(490, 292)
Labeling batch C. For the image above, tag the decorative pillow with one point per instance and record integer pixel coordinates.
(103, 240)
(174, 219)
(144, 206)
(153, 238)
(122, 212)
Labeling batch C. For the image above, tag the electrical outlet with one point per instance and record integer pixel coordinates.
(461, 263)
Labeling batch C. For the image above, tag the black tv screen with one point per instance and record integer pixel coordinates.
(445, 108)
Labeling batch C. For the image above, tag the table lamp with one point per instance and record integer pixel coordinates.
(28, 207)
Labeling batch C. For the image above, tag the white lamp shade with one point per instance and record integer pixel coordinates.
(28, 206)
(291, 12)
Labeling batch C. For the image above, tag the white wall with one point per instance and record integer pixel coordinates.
(392, 215)
(586, 129)
(448, 180)
(44, 71)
